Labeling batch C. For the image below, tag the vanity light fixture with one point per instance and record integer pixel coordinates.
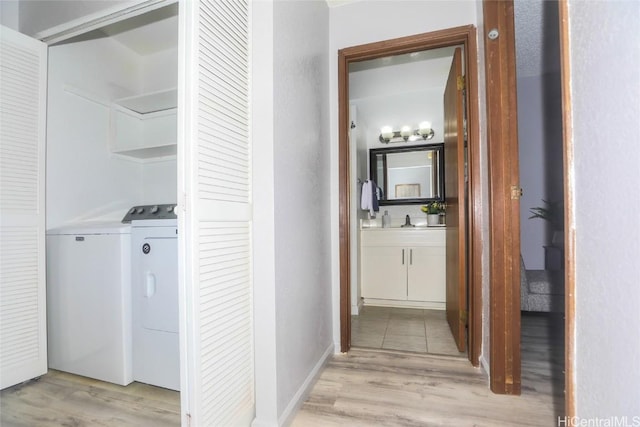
(386, 133)
(406, 133)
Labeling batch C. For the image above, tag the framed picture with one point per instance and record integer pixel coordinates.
(407, 191)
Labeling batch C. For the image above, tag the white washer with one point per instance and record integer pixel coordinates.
(156, 348)
(89, 301)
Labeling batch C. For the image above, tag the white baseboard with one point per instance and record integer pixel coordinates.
(485, 367)
(355, 309)
(303, 392)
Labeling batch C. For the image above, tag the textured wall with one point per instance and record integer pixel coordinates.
(605, 59)
(540, 148)
(301, 179)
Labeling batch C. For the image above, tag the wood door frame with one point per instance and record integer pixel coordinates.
(504, 186)
(569, 217)
(466, 36)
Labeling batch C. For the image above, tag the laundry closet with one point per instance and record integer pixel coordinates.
(111, 192)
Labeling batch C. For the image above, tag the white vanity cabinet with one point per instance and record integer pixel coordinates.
(403, 267)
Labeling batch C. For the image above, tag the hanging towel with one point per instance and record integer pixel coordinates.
(374, 197)
(369, 199)
(365, 199)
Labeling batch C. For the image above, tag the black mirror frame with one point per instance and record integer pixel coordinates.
(373, 171)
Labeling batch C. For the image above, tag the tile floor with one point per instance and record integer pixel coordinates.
(405, 329)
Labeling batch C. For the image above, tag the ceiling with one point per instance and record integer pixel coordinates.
(147, 33)
(536, 22)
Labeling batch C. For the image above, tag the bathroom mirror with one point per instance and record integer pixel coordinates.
(408, 175)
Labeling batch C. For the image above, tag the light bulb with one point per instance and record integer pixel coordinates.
(405, 132)
(424, 127)
(386, 132)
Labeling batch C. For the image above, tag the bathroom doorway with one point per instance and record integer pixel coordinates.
(470, 311)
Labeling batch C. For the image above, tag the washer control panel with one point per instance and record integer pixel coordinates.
(150, 212)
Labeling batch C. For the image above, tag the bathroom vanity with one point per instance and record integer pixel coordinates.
(404, 267)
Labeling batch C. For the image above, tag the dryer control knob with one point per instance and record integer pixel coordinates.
(132, 211)
(139, 210)
(169, 208)
(154, 210)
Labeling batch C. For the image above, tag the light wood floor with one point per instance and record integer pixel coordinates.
(365, 387)
(386, 388)
(61, 399)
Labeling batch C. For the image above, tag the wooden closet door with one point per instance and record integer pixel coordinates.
(23, 87)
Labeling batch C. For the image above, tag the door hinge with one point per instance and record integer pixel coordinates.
(516, 192)
(464, 315)
(461, 82)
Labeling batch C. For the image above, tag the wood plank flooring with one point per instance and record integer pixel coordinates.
(386, 388)
(365, 387)
(62, 399)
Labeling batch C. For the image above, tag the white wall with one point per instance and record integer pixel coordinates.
(359, 155)
(160, 70)
(291, 167)
(404, 93)
(605, 89)
(83, 181)
(365, 22)
(10, 14)
(539, 120)
(301, 149)
(540, 153)
(159, 179)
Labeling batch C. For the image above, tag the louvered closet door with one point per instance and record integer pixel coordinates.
(23, 340)
(214, 174)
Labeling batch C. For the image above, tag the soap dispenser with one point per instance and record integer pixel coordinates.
(386, 220)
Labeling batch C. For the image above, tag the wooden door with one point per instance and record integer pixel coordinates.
(215, 201)
(23, 90)
(504, 193)
(454, 148)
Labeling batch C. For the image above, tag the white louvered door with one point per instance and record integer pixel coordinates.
(214, 176)
(23, 340)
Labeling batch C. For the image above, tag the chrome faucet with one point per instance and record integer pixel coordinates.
(407, 222)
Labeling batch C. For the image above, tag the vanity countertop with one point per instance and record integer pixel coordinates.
(407, 236)
(400, 228)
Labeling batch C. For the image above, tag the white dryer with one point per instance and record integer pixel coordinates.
(156, 348)
(89, 300)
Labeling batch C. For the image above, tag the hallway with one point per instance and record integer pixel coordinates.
(377, 387)
(366, 387)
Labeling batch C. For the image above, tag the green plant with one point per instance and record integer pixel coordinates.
(433, 208)
(551, 211)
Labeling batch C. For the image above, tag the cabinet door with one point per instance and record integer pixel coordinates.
(384, 272)
(426, 274)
